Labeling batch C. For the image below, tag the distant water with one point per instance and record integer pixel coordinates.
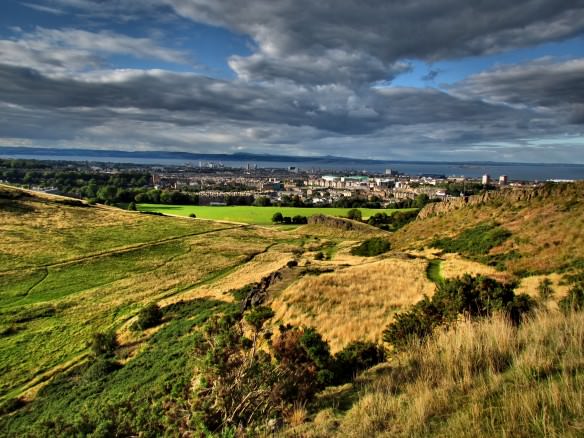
(515, 171)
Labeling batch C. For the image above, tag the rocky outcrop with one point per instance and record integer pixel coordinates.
(502, 197)
(259, 292)
(334, 222)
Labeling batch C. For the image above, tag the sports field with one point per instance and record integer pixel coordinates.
(252, 214)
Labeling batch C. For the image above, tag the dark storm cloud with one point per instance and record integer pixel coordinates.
(355, 40)
(187, 99)
(386, 31)
(543, 84)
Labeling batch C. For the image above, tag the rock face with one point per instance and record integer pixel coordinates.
(259, 292)
(334, 222)
(502, 196)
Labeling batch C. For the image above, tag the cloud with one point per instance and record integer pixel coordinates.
(312, 84)
(65, 50)
(301, 34)
(545, 85)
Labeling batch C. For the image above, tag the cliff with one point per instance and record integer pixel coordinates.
(506, 196)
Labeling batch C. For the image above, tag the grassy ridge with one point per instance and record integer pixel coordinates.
(252, 214)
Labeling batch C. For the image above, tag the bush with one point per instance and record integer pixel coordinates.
(372, 247)
(355, 357)
(292, 263)
(104, 343)
(319, 256)
(101, 368)
(193, 215)
(132, 206)
(545, 290)
(473, 297)
(476, 241)
(574, 301)
(299, 220)
(149, 316)
(354, 214)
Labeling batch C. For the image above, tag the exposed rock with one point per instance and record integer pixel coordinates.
(501, 197)
(259, 292)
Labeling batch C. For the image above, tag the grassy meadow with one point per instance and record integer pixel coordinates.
(252, 214)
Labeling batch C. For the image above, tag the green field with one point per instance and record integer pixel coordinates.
(252, 214)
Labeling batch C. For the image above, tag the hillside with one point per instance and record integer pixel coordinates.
(545, 227)
(70, 271)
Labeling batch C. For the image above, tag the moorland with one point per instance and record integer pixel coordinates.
(121, 323)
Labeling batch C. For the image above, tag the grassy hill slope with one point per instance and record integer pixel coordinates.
(545, 226)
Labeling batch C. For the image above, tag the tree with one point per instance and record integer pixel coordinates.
(421, 200)
(277, 218)
(262, 201)
(354, 214)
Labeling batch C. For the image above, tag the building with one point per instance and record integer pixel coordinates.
(486, 179)
(503, 180)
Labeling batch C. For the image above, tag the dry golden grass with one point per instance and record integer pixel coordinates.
(529, 286)
(474, 380)
(362, 231)
(356, 302)
(453, 265)
(548, 233)
(251, 272)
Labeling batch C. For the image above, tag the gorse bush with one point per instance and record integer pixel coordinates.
(473, 297)
(371, 247)
(476, 241)
(104, 343)
(149, 316)
(244, 382)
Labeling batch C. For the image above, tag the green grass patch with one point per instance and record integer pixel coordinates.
(252, 214)
(433, 271)
(139, 396)
(372, 247)
(476, 241)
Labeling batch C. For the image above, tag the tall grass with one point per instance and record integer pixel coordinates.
(477, 379)
(354, 303)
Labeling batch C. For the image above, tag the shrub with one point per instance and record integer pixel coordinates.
(371, 247)
(299, 220)
(292, 263)
(545, 290)
(319, 256)
(101, 368)
(470, 296)
(574, 301)
(104, 343)
(149, 316)
(355, 357)
(476, 241)
(287, 220)
(354, 214)
(132, 206)
(193, 215)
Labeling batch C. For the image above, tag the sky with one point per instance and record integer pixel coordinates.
(433, 80)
